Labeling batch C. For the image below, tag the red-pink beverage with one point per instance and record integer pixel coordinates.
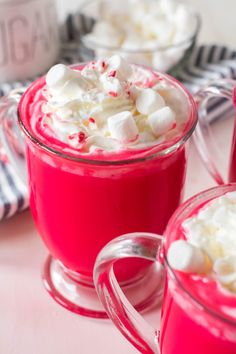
(198, 314)
(78, 208)
(81, 201)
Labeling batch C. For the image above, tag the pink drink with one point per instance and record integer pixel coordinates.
(82, 201)
(100, 203)
(198, 315)
(181, 334)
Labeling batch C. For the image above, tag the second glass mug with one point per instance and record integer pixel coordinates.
(79, 205)
(189, 324)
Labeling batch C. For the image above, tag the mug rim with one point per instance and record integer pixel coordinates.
(150, 153)
(194, 200)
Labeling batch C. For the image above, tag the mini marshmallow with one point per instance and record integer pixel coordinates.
(122, 127)
(111, 85)
(98, 142)
(146, 137)
(162, 120)
(58, 75)
(162, 32)
(225, 269)
(184, 20)
(72, 88)
(121, 66)
(185, 257)
(149, 101)
(134, 92)
(105, 33)
(90, 74)
(132, 41)
(168, 6)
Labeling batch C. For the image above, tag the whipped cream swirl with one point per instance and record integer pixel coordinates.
(110, 105)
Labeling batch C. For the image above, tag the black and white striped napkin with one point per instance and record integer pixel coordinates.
(208, 62)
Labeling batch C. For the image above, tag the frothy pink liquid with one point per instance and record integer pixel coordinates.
(202, 325)
(78, 207)
(182, 334)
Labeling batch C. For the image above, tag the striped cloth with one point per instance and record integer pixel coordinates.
(206, 63)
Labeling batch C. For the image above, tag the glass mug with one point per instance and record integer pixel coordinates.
(188, 325)
(79, 204)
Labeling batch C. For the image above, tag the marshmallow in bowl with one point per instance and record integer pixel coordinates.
(110, 105)
(142, 30)
(105, 31)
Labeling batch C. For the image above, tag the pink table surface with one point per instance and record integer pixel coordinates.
(30, 321)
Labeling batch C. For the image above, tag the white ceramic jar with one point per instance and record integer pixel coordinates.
(29, 40)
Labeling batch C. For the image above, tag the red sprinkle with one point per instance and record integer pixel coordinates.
(112, 73)
(174, 125)
(113, 94)
(92, 120)
(81, 137)
(103, 64)
(72, 136)
(93, 67)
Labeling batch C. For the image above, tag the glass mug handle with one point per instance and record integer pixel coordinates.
(203, 137)
(12, 143)
(130, 323)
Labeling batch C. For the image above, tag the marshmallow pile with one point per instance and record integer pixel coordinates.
(139, 28)
(210, 244)
(110, 105)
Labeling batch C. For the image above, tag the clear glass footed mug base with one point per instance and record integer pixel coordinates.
(77, 293)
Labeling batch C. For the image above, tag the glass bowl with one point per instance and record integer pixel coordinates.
(115, 34)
